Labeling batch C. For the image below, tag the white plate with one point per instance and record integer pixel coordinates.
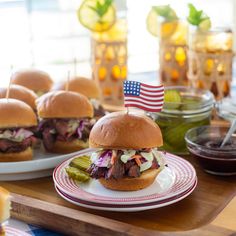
(175, 179)
(42, 165)
(128, 208)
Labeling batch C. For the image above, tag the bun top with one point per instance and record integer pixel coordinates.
(82, 85)
(64, 104)
(35, 80)
(20, 93)
(15, 113)
(119, 130)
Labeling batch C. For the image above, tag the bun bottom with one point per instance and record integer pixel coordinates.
(132, 184)
(68, 147)
(25, 155)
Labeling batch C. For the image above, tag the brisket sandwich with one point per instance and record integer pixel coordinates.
(88, 88)
(127, 158)
(20, 93)
(17, 123)
(65, 121)
(38, 81)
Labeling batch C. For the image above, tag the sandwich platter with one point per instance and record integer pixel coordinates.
(174, 183)
(42, 165)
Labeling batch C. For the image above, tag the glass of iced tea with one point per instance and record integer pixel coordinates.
(210, 60)
(109, 61)
(173, 52)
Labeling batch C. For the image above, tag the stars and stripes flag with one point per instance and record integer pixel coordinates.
(143, 96)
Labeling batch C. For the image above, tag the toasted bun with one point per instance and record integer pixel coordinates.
(120, 130)
(15, 113)
(82, 85)
(132, 184)
(25, 155)
(68, 147)
(5, 205)
(20, 93)
(64, 104)
(35, 80)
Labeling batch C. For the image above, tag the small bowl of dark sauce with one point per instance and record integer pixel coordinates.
(204, 144)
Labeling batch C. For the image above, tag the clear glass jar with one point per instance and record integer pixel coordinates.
(177, 118)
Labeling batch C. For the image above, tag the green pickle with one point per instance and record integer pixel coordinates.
(77, 168)
(77, 174)
(81, 163)
(179, 115)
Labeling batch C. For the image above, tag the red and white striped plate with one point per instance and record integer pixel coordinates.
(14, 232)
(174, 180)
(127, 208)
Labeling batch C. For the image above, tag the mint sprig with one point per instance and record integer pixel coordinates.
(166, 12)
(101, 8)
(196, 17)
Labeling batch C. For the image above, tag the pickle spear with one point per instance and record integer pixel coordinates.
(82, 162)
(77, 174)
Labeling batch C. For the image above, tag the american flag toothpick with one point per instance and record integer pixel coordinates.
(146, 97)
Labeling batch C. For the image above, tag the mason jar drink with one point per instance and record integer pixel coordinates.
(109, 62)
(173, 52)
(210, 60)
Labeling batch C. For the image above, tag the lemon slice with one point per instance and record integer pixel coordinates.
(90, 19)
(205, 25)
(152, 23)
(163, 30)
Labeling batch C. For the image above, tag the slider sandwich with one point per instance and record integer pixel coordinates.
(38, 81)
(66, 119)
(127, 156)
(88, 88)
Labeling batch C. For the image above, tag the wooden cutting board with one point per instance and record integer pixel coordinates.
(209, 210)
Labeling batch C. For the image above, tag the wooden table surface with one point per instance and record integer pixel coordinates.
(211, 196)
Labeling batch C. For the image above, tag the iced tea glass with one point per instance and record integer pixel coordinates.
(173, 52)
(210, 60)
(109, 62)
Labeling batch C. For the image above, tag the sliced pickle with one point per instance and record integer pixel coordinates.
(77, 174)
(82, 162)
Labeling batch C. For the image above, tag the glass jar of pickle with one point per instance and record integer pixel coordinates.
(210, 60)
(109, 62)
(173, 52)
(184, 108)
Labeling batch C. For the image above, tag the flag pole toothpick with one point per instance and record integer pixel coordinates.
(9, 85)
(68, 81)
(75, 67)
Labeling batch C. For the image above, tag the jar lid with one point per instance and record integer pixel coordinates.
(227, 108)
(189, 100)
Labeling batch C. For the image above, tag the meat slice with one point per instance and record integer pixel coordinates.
(61, 127)
(134, 171)
(7, 146)
(48, 139)
(97, 172)
(117, 170)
